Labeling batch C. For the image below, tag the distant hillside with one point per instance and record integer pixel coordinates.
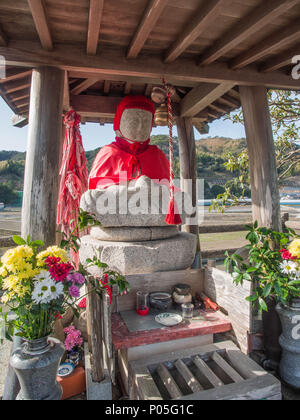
(210, 153)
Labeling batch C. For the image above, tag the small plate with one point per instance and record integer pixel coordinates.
(168, 319)
(65, 369)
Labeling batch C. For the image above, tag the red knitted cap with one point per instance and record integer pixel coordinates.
(133, 102)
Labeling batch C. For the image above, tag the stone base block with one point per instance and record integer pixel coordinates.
(127, 258)
(134, 234)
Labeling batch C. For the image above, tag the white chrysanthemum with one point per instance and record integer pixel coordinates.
(289, 267)
(45, 289)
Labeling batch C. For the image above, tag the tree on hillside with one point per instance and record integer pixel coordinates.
(7, 194)
(285, 115)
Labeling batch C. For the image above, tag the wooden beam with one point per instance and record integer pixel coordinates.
(95, 18)
(205, 17)
(281, 60)
(38, 12)
(246, 27)
(20, 94)
(280, 39)
(262, 159)
(151, 16)
(182, 72)
(84, 86)
(95, 106)
(202, 96)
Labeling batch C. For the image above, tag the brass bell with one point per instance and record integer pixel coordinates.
(161, 115)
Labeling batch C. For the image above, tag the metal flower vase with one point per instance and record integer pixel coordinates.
(290, 343)
(36, 363)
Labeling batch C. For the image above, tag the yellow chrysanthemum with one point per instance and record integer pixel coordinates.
(53, 251)
(294, 248)
(8, 297)
(3, 271)
(17, 259)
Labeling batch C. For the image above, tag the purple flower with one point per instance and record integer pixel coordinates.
(78, 278)
(74, 291)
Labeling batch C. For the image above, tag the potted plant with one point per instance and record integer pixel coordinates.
(38, 288)
(273, 267)
(73, 343)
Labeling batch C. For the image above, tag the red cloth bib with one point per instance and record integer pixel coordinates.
(135, 159)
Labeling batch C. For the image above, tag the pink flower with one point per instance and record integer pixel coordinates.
(58, 270)
(286, 255)
(73, 338)
(82, 304)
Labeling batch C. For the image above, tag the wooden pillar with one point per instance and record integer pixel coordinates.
(188, 170)
(262, 159)
(43, 150)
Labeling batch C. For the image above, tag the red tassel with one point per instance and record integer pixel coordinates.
(173, 216)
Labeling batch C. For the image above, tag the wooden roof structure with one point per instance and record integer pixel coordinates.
(111, 48)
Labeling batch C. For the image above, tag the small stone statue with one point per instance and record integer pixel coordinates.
(131, 155)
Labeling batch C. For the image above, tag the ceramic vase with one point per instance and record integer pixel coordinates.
(290, 343)
(36, 363)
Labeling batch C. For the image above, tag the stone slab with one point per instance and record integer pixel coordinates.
(134, 234)
(172, 254)
(96, 391)
(139, 204)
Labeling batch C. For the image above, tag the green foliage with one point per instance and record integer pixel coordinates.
(7, 194)
(263, 267)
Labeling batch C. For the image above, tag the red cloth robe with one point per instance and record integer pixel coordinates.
(136, 159)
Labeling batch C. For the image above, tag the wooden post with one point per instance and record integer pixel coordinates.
(94, 324)
(262, 159)
(187, 154)
(43, 150)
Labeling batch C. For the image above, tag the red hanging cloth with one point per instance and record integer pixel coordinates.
(74, 175)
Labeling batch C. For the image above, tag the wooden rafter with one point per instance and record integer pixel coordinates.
(15, 75)
(202, 20)
(183, 72)
(84, 86)
(95, 18)
(219, 108)
(274, 42)
(20, 94)
(246, 27)
(41, 23)
(17, 86)
(281, 60)
(201, 97)
(229, 101)
(151, 16)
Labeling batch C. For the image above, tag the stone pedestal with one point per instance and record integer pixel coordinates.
(133, 237)
(175, 253)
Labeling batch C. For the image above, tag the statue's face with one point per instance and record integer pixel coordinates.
(136, 124)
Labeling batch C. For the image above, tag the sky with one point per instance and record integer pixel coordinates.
(94, 135)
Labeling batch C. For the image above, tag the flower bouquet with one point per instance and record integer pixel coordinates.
(38, 287)
(273, 266)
